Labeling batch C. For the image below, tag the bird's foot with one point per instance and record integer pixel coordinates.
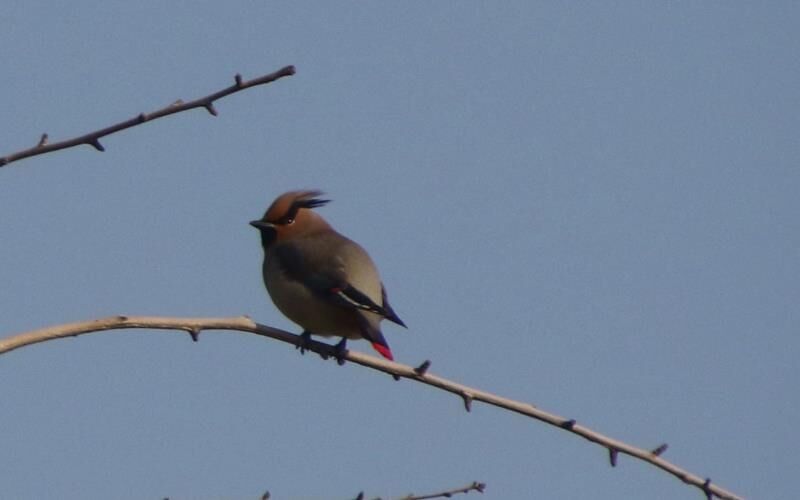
(305, 342)
(340, 351)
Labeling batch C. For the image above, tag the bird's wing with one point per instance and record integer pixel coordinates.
(328, 281)
(353, 297)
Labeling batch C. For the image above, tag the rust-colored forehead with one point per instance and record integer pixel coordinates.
(284, 202)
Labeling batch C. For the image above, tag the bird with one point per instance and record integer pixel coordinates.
(320, 279)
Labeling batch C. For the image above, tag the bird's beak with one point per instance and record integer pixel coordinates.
(262, 225)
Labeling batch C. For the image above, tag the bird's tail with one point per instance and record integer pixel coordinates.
(372, 332)
(383, 350)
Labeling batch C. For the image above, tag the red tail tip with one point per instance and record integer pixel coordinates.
(383, 350)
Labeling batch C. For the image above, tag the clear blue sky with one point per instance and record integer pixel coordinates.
(592, 207)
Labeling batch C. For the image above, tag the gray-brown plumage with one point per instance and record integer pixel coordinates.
(319, 279)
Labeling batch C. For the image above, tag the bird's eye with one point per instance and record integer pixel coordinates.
(289, 221)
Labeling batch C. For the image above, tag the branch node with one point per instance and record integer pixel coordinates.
(612, 456)
(238, 79)
(179, 102)
(122, 317)
(423, 368)
(568, 424)
(42, 140)
(210, 108)
(95, 143)
(660, 449)
(467, 401)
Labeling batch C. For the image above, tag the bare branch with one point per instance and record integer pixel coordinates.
(93, 138)
(194, 326)
(475, 486)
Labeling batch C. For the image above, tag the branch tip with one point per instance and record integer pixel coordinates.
(612, 456)
(423, 368)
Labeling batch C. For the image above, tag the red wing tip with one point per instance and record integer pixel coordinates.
(383, 350)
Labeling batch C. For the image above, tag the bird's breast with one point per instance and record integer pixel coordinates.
(305, 307)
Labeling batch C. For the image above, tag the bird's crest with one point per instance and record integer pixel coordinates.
(286, 206)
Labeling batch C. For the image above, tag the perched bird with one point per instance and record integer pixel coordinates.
(319, 279)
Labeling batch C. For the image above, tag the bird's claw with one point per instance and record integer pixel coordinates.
(340, 351)
(304, 343)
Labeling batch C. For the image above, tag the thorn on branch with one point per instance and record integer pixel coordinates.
(42, 141)
(612, 456)
(238, 79)
(475, 485)
(265, 496)
(568, 424)
(194, 332)
(142, 117)
(707, 489)
(210, 108)
(423, 368)
(96, 144)
(661, 449)
(360, 493)
(467, 401)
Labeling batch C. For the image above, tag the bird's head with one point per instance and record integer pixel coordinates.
(290, 216)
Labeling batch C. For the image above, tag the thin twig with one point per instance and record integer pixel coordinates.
(475, 486)
(194, 326)
(93, 138)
